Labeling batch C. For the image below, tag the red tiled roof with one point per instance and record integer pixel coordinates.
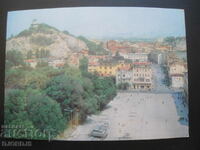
(141, 63)
(125, 68)
(30, 60)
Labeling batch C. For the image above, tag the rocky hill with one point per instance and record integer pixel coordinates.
(43, 36)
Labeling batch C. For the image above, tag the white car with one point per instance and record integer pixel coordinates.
(100, 131)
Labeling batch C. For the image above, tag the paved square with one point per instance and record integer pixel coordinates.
(135, 116)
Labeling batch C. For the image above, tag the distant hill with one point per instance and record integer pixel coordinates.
(43, 36)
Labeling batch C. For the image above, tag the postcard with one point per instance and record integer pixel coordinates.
(96, 73)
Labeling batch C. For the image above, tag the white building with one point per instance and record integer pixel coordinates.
(56, 63)
(176, 68)
(136, 57)
(157, 57)
(177, 81)
(142, 76)
(123, 76)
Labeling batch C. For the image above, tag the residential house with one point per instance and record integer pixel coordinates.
(176, 71)
(56, 63)
(32, 62)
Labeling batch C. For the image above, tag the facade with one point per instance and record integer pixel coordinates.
(108, 66)
(107, 69)
(177, 81)
(176, 72)
(56, 63)
(176, 68)
(123, 76)
(136, 57)
(142, 77)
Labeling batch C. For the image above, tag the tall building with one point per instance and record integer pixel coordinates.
(157, 57)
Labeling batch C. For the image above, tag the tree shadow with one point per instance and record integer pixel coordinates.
(181, 107)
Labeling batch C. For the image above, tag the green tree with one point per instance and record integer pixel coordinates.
(29, 55)
(105, 89)
(83, 65)
(34, 79)
(66, 91)
(14, 106)
(14, 58)
(45, 113)
(13, 77)
(94, 49)
(123, 86)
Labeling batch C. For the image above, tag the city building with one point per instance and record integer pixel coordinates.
(32, 62)
(108, 67)
(176, 68)
(56, 63)
(123, 75)
(142, 77)
(136, 57)
(157, 57)
(177, 81)
(73, 60)
(176, 72)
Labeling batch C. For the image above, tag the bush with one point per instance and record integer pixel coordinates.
(14, 106)
(14, 58)
(123, 86)
(45, 114)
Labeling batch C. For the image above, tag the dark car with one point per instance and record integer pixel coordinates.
(100, 131)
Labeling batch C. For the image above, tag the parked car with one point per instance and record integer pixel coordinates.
(100, 131)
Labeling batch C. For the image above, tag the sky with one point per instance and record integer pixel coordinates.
(100, 22)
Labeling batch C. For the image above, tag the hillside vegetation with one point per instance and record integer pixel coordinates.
(43, 36)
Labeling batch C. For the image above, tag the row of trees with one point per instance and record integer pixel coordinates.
(38, 98)
(42, 53)
(166, 79)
